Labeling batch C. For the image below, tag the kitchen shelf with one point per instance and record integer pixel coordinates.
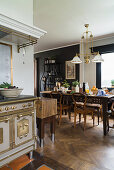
(53, 71)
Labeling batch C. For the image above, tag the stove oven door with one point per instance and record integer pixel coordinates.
(24, 127)
(5, 133)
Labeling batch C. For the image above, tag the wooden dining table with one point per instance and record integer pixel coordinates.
(93, 99)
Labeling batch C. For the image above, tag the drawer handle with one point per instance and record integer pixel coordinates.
(13, 107)
(26, 124)
(29, 104)
(24, 105)
(35, 137)
(7, 108)
(21, 137)
(1, 109)
(26, 135)
(19, 116)
(6, 120)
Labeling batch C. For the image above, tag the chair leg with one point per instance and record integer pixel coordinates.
(101, 111)
(93, 119)
(92, 115)
(65, 112)
(108, 122)
(79, 118)
(69, 114)
(60, 115)
(84, 121)
(74, 117)
(98, 115)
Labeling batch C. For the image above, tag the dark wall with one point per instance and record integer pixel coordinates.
(109, 48)
(61, 55)
(98, 75)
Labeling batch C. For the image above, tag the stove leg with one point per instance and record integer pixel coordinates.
(31, 155)
(41, 143)
(53, 137)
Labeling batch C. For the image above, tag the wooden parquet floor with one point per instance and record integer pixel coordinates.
(73, 149)
(80, 150)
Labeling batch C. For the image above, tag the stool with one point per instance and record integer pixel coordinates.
(41, 125)
(46, 110)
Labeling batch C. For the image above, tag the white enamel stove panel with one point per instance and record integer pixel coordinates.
(15, 106)
(23, 127)
(4, 133)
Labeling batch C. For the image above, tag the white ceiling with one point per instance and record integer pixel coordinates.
(64, 20)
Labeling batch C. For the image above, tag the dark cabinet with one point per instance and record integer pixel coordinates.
(52, 72)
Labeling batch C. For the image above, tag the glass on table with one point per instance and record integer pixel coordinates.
(87, 91)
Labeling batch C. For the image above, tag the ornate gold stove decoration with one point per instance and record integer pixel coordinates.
(1, 135)
(22, 128)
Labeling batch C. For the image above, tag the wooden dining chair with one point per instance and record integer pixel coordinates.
(80, 107)
(62, 104)
(97, 109)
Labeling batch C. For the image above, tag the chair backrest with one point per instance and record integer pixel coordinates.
(57, 95)
(79, 97)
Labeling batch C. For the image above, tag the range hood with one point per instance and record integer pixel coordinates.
(19, 33)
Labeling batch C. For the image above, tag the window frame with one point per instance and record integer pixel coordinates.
(11, 59)
(109, 48)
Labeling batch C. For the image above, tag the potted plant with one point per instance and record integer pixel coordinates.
(66, 85)
(112, 83)
(75, 86)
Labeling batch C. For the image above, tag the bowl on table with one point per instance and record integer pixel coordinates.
(10, 93)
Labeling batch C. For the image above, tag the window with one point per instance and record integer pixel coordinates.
(107, 69)
(6, 74)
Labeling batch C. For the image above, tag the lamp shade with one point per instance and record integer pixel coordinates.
(76, 60)
(98, 58)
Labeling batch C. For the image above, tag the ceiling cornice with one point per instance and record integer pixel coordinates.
(21, 27)
(108, 36)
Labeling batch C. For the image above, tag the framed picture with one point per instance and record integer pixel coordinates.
(70, 72)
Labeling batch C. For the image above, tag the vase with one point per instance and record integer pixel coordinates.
(77, 89)
(73, 88)
(65, 90)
